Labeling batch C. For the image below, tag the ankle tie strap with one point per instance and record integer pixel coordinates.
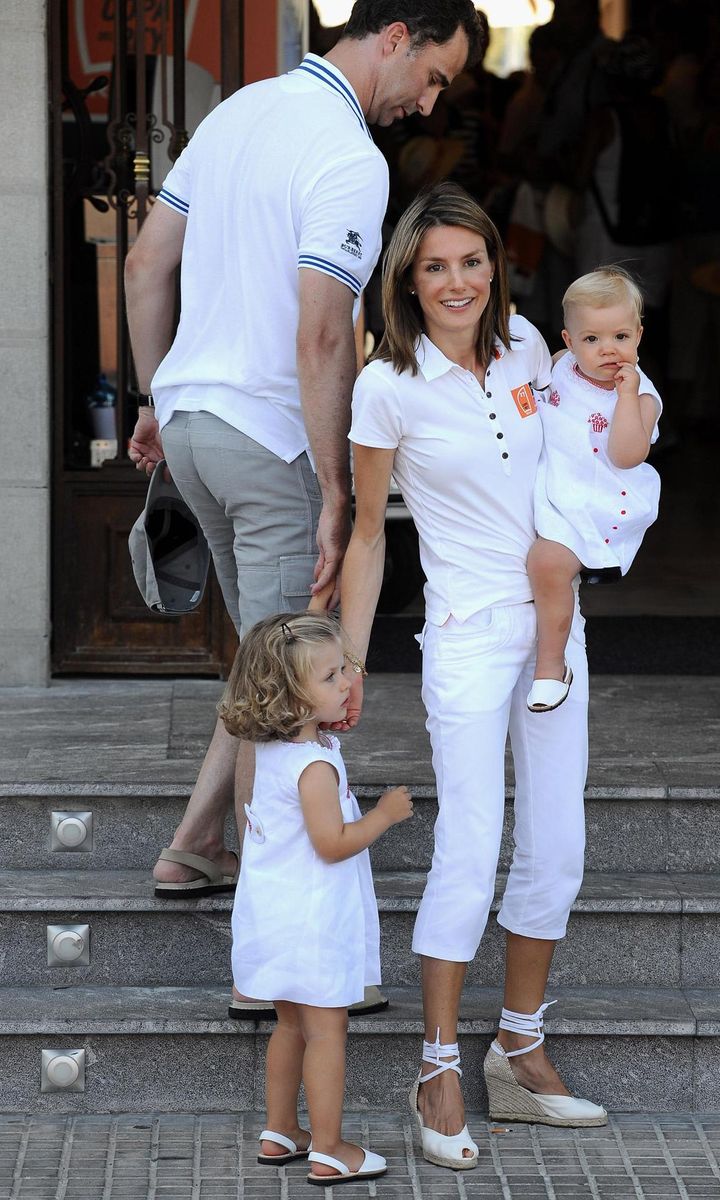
(435, 1052)
(527, 1024)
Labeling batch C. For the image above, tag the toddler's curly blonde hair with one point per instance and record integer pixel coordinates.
(267, 696)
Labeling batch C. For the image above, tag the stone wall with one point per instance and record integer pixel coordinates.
(24, 346)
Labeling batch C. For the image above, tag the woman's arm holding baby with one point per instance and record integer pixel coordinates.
(633, 422)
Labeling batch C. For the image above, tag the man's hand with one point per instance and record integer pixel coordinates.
(145, 448)
(333, 536)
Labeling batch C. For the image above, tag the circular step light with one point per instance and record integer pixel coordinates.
(71, 831)
(63, 1071)
(68, 945)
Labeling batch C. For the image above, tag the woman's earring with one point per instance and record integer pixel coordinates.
(412, 291)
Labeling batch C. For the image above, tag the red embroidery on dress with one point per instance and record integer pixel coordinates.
(598, 421)
(554, 399)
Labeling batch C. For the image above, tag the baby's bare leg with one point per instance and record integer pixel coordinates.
(283, 1073)
(325, 1033)
(551, 569)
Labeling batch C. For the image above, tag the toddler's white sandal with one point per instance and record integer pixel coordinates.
(509, 1101)
(444, 1150)
(372, 1167)
(279, 1160)
(548, 694)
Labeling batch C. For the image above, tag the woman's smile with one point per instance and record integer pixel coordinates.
(451, 276)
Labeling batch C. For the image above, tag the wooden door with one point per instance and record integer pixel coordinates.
(130, 81)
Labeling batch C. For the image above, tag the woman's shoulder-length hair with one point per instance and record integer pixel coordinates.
(444, 204)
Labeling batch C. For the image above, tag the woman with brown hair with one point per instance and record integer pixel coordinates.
(449, 407)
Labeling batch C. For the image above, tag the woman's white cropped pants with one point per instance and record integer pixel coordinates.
(476, 676)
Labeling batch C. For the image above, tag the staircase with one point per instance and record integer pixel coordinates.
(637, 1024)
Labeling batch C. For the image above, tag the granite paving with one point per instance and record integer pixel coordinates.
(653, 736)
(198, 1010)
(213, 1157)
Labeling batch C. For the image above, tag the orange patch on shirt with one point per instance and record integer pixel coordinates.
(524, 400)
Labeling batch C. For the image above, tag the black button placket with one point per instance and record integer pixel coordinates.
(496, 427)
(492, 416)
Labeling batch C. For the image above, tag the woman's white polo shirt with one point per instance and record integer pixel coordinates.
(465, 461)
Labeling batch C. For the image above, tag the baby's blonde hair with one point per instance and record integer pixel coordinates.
(603, 288)
(267, 697)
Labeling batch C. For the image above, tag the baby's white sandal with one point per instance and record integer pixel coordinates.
(372, 1167)
(548, 694)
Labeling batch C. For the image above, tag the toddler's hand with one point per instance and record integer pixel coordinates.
(396, 805)
(627, 380)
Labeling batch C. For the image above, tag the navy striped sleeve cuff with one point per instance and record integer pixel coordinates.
(174, 201)
(331, 268)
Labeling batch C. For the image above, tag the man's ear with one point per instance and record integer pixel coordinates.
(393, 36)
(567, 339)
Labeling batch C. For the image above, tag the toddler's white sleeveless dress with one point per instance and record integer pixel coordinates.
(303, 929)
(598, 510)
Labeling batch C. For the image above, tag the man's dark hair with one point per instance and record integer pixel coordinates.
(427, 21)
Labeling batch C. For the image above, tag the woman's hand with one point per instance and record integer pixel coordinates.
(320, 601)
(354, 707)
(355, 702)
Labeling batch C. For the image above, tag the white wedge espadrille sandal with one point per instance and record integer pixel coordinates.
(444, 1150)
(509, 1101)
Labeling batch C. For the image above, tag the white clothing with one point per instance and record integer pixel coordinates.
(303, 929)
(476, 677)
(473, 508)
(281, 176)
(465, 462)
(598, 510)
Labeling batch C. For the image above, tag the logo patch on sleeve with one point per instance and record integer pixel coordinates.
(352, 243)
(524, 400)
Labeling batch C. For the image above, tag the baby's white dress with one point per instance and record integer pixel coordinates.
(303, 929)
(598, 510)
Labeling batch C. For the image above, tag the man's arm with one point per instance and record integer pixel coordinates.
(327, 366)
(150, 294)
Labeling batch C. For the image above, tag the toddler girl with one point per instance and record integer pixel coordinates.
(595, 495)
(305, 922)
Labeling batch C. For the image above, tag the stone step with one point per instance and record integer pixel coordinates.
(656, 929)
(172, 1049)
(629, 827)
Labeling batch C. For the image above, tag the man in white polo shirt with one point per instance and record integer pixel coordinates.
(275, 210)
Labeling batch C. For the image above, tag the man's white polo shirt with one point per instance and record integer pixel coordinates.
(465, 461)
(281, 176)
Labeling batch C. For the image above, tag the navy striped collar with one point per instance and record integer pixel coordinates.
(330, 77)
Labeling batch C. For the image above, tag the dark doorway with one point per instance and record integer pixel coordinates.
(130, 82)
